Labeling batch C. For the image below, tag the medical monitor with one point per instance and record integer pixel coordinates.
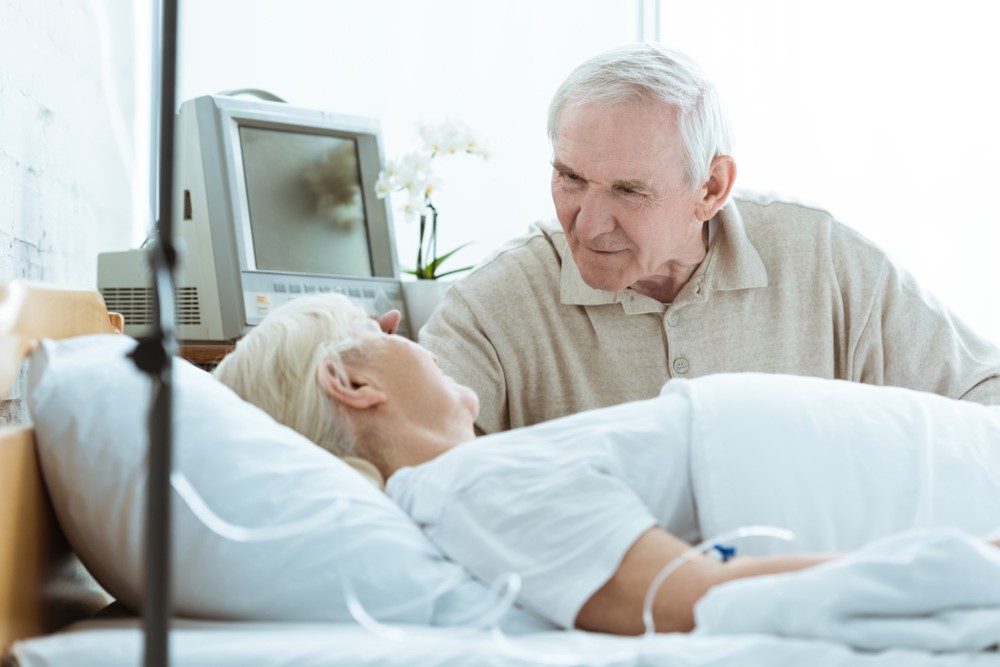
(275, 201)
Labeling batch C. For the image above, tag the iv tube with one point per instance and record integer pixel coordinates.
(235, 533)
(697, 550)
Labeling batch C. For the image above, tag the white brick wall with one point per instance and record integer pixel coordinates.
(65, 190)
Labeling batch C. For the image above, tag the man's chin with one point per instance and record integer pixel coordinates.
(599, 271)
(604, 282)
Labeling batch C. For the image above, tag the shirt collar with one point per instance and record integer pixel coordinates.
(732, 263)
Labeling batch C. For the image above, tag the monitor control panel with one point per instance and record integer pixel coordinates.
(263, 292)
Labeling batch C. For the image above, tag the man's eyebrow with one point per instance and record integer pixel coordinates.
(632, 184)
(562, 168)
(624, 184)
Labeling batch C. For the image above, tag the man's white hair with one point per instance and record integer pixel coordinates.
(642, 72)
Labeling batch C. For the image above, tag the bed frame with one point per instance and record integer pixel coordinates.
(43, 585)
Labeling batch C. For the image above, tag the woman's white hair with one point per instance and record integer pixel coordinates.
(641, 72)
(276, 366)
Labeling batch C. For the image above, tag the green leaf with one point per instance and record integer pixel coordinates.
(454, 271)
(430, 271)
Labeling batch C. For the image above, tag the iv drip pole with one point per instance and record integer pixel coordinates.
(154, 354)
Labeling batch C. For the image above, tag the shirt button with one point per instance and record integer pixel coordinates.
(673, 319)
(681, 365)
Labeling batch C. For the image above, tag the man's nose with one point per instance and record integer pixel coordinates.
(595, 216)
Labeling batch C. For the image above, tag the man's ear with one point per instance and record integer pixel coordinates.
(354, 392)
(721, 176)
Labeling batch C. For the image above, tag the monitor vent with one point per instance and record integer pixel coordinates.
(136, 304)
(188, 308)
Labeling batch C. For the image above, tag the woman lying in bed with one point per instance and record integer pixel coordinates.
(587, 509)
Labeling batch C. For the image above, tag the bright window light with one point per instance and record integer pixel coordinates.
(885, 113)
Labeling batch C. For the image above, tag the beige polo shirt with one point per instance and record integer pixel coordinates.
(784, 288)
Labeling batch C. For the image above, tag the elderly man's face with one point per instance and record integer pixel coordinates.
(622, 197)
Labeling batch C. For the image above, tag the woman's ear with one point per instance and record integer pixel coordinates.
(350, 391)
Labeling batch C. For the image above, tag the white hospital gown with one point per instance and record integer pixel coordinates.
(558, 503)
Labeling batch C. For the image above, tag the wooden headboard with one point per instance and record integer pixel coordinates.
(42, 584)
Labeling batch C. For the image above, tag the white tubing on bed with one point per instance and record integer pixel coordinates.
(505, 588)
(201, 510)
(235, 533)
(698, 550)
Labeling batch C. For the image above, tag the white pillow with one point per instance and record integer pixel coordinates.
(90, 404)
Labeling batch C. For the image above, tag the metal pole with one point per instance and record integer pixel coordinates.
(154, 355)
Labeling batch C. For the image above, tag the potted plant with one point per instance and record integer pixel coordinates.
(412, 176)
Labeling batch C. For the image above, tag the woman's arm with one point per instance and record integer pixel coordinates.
(617, 606)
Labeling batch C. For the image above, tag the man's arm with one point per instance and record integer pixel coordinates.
(465, 352)
(617, 606)
(911, 339)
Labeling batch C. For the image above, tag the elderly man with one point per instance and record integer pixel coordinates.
(656, 271)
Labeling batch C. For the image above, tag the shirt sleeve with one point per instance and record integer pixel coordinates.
(465, 352)
(911, 339)
(563, 531)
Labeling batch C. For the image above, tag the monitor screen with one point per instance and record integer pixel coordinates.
(304, 199)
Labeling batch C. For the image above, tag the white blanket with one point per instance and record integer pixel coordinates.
(847, 466)
(838, 463)
(933, 590)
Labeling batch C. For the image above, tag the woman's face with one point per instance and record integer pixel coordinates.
(410, 375)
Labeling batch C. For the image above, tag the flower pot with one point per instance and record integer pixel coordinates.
(421, 298)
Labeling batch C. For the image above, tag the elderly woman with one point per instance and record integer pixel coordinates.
(587, 509)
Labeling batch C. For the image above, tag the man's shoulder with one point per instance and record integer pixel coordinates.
(761, 207)
(767, 214)
(776, 223)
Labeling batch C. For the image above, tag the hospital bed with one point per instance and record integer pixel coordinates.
(54, 613)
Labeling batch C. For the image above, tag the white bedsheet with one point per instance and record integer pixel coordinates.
(207, 644)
